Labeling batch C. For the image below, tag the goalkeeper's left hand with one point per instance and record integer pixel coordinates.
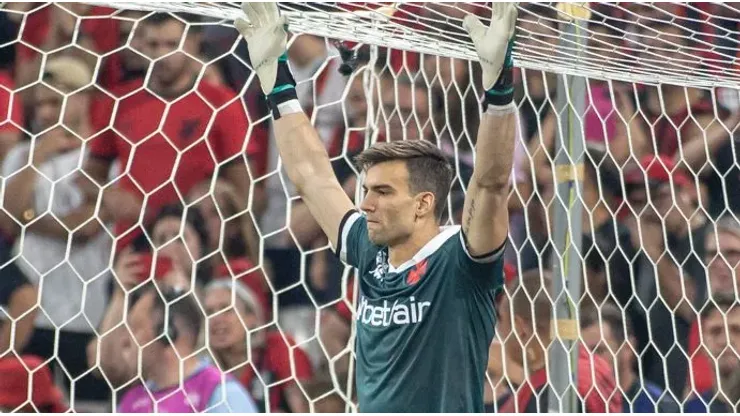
(494, 44)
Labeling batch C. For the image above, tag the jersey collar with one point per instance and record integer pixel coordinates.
(429, 248)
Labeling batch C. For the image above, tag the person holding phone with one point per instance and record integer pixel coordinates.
(61, 241)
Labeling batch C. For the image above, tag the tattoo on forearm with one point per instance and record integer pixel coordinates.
(471, 212)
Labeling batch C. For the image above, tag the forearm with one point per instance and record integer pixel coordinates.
(303, 154)
(61, 228)
(495, 150)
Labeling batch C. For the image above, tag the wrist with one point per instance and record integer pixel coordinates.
(283, 95)
(502, 91)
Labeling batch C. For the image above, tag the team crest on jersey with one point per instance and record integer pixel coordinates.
(381, 265)
(417, 273)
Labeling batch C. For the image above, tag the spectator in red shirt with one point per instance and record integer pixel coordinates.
(525, 328)
(169, 137)
(128, 64)
(272, 353)
(15, 379)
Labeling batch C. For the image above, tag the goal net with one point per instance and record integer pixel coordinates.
(155, 257)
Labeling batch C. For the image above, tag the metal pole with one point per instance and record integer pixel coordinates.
(567, 216)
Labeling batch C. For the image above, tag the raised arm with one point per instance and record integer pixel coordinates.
(301, 150)
(486, 216)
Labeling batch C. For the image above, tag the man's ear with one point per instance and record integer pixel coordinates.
(425, 202)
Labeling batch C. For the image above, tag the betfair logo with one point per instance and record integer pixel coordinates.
(392, 314)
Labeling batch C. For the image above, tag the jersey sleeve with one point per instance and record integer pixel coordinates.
(353, 240)
(486, 270)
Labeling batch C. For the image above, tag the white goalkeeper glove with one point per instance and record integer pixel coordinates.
(493, 45)
(265, 32)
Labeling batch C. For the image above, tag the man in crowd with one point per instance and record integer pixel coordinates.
(203, 124)
(165, 332)
(605, 332)
(41, 193)
(720, 330)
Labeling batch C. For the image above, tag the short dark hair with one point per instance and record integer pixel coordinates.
(194, 21)
(722, 302)
(429, 170)
(531, 298)
(611, 315)
(183, 309)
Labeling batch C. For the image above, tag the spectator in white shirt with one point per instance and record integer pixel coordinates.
(62, 248)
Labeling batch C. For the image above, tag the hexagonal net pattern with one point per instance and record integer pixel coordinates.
(156, 257)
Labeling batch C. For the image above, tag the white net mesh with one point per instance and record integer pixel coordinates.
(117, 123)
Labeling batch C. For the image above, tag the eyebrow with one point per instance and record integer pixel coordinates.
(381, 187)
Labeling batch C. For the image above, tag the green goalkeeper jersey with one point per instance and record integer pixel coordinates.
(424, 328)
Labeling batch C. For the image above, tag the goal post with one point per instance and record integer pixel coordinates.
(625, 171)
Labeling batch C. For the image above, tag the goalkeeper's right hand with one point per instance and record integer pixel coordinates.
(265, 32)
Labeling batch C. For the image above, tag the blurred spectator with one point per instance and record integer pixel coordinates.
(676, 116)
(179, 248)
(237, 252)
(403, 113)
(166, 328)
(75, 29)
(722, 261)
(234, 326)
(335, 331)
(671, 232)
(524, 325)
(12, 118)
(720, 332)
(665, 224)
(328, 398)
(63, 249)
(606, 246)
(18, 301)
(606, 333)
(130, 63)
(611, 118)
(27, 386)
(200, 130)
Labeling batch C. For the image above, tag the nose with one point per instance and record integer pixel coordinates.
(367, 204)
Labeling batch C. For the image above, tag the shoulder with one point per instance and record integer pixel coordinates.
(216, 94)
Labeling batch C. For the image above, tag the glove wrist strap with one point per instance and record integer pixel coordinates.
(284, 91)
(502, 92)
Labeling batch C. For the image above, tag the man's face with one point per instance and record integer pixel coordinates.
(48, 107)
(225, 329)
(388, 203)
(143, 326)
(131, 60)
(722, 340)
(162, 39)
(723, 261)
(505, 333)
(405, 111)
(356, 103)
(600, 340)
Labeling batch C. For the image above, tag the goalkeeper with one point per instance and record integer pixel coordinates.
(425, 315)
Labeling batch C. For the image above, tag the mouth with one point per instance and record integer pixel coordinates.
(219, 331)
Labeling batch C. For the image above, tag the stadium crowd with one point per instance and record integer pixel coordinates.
(148, 235)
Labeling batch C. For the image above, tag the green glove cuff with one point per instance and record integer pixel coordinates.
(284, 89)
(502, 92)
